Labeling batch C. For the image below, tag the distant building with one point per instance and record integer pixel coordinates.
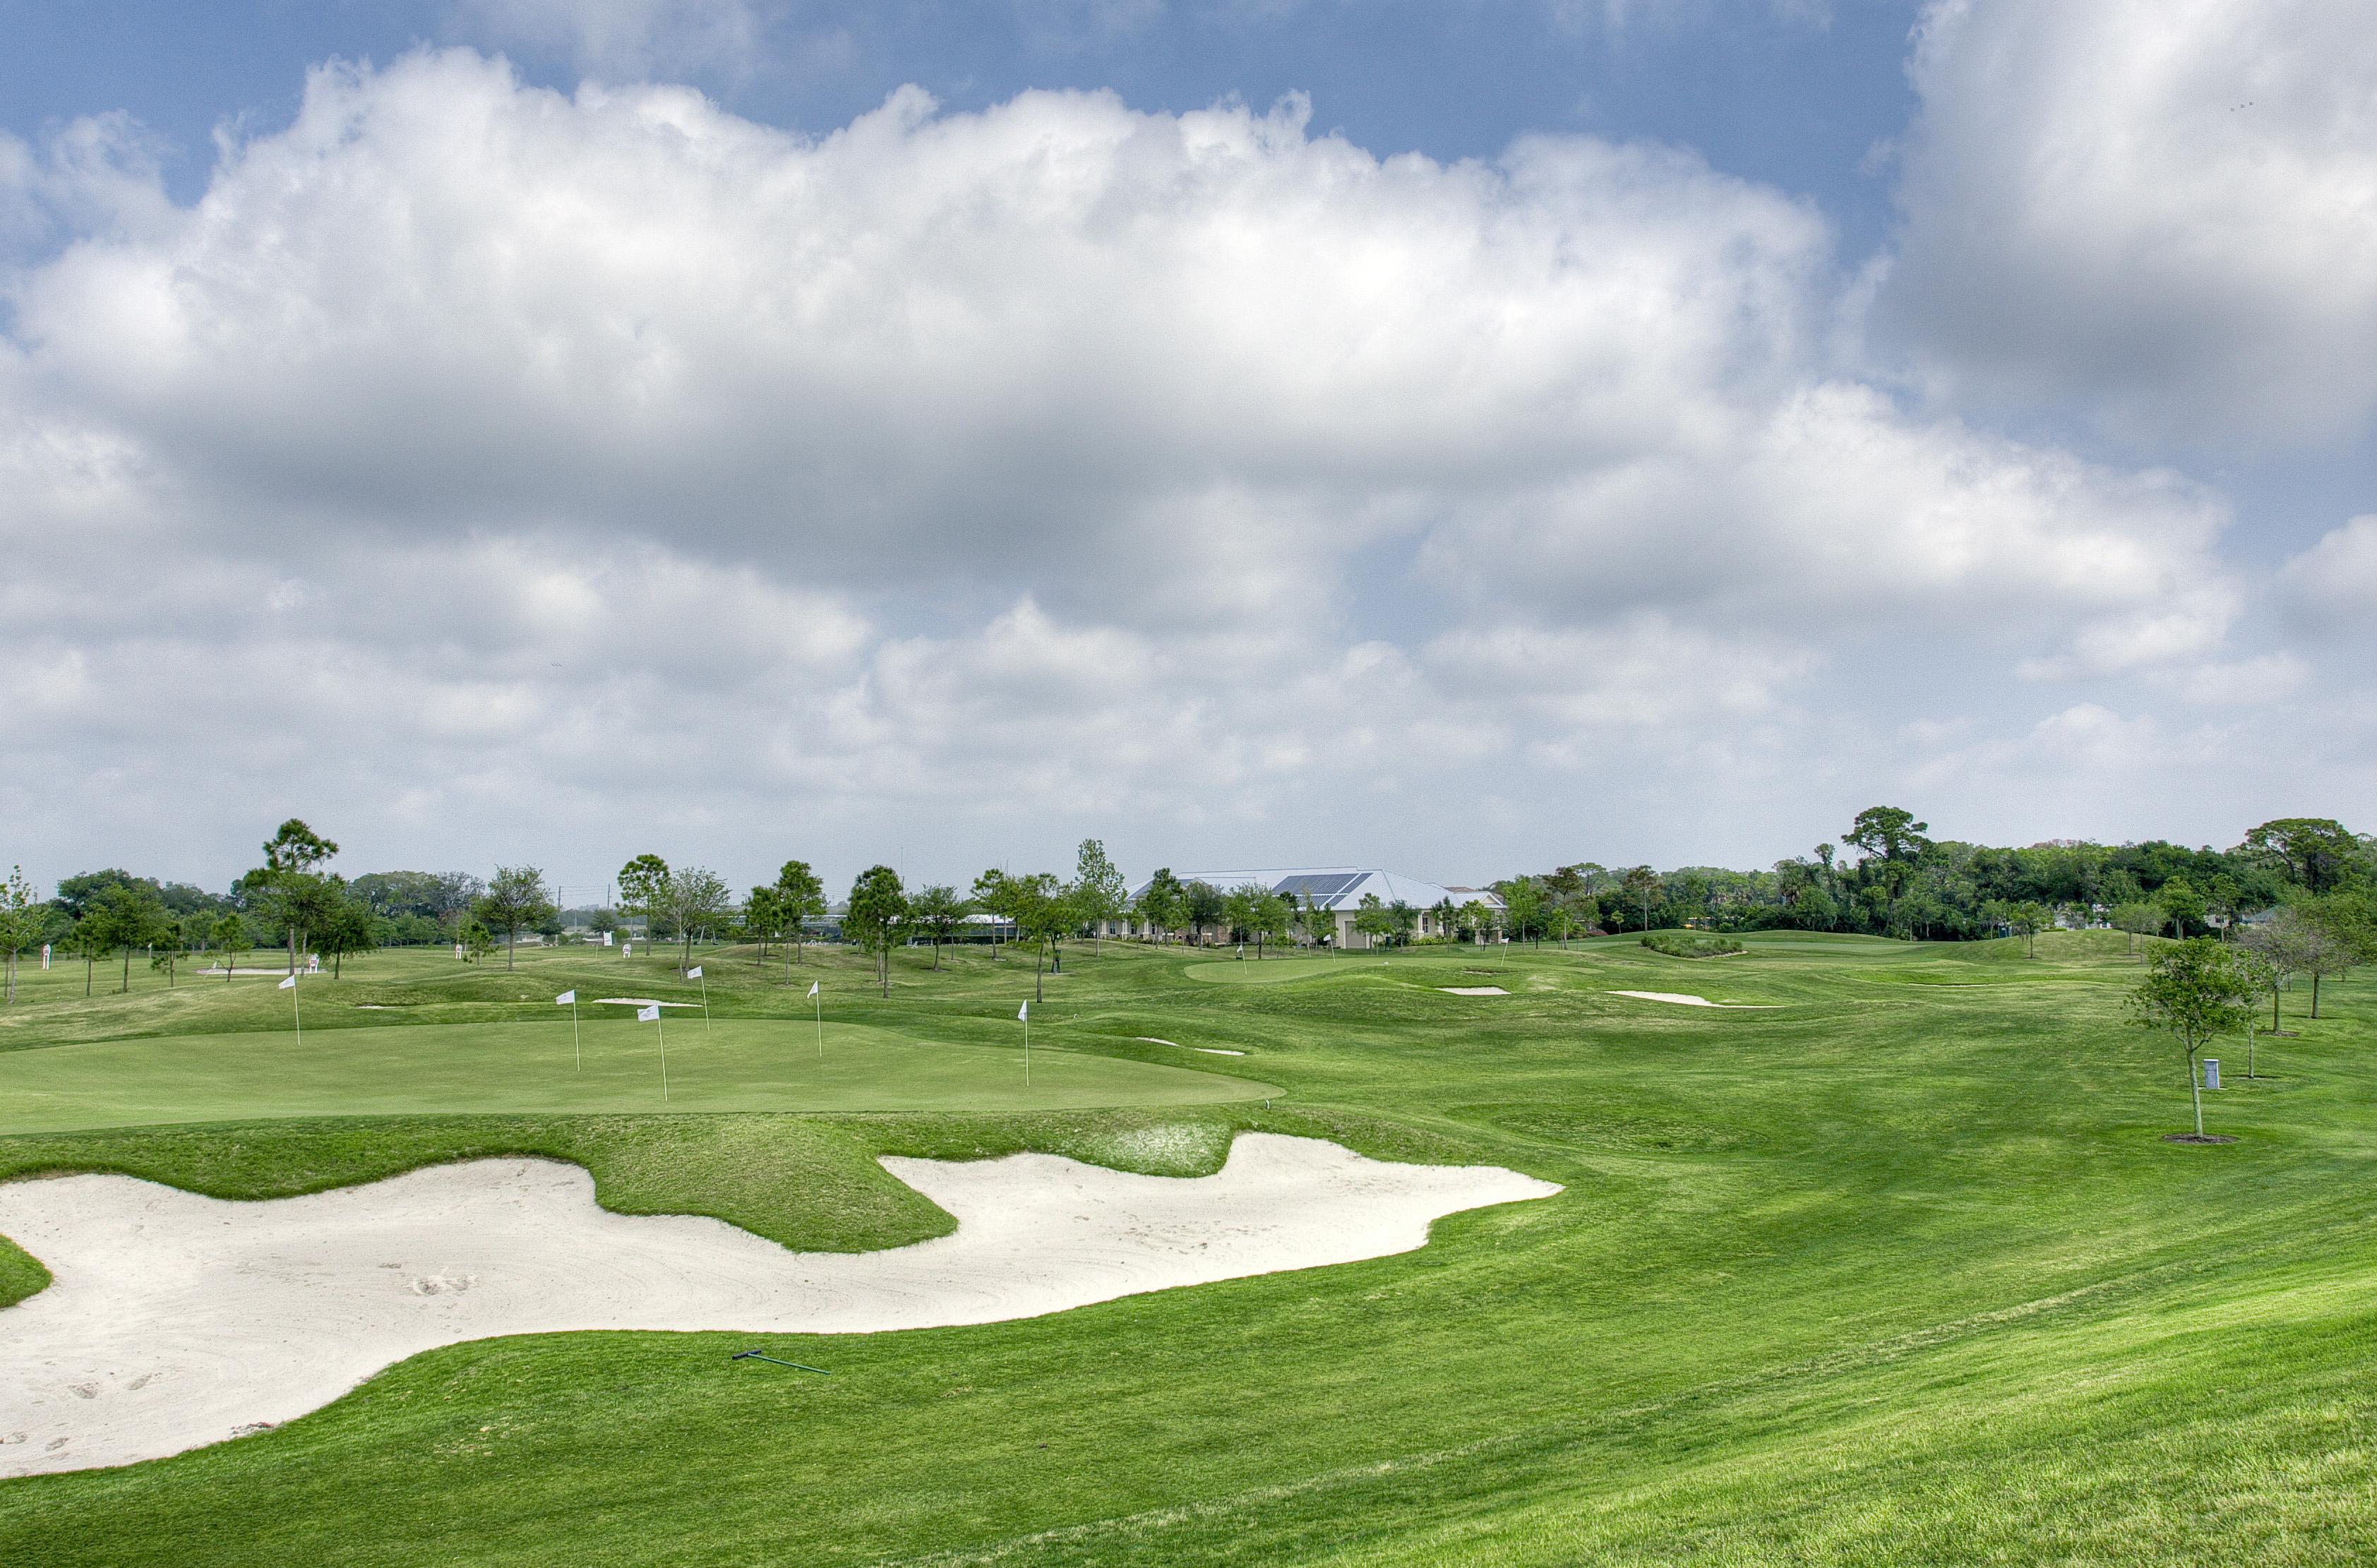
(1336, 889)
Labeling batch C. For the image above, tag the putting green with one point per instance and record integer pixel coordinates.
(737, 1065)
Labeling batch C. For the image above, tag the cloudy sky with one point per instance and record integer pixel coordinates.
(1463, 437)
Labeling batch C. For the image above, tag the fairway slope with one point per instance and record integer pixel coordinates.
(177, 1321)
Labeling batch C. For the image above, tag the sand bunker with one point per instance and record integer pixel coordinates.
(177, 1321)
(1209, 1050)
(1681, 1000)
(1473, 991)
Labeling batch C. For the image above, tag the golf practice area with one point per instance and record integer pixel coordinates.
(1836, 1250)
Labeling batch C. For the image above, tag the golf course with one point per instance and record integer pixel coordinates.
(1883, 1258)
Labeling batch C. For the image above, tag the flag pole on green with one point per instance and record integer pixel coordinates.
(1023, 1016)
(820, 1018)
(652, 1015)
(695, 974)
(290, 984)
(571, 998)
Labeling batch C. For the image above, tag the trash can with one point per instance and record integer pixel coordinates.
(2212, 1072)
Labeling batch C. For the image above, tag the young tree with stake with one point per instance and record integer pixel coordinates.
(877, 903)
(23, 918)
(1099, 892)
(800, 895)
(2198, 991)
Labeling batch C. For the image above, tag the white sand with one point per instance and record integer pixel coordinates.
(1209, 1050)
(1681, 1000)
(1473, 991)
(177, 1321)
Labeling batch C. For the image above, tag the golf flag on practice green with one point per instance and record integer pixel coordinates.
(567, 998)
(694, 972)
(288, 985)
(813, 986)
(648, 1014)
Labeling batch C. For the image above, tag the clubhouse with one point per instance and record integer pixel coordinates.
(1339, 890)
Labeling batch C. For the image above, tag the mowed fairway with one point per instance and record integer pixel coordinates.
(1897, 1271)
(733, 1064)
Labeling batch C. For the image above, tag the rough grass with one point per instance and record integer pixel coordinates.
(1899, 1273)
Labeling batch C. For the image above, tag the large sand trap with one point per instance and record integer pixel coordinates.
(177, 1321)
(1681, 999)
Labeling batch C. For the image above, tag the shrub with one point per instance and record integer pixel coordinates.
(1680, 944)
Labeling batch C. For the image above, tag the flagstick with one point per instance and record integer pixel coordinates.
(575, 1048)
(820, 999)
(705, 1004)
(660, 1023)
(1027, 1047)
(299, 1013)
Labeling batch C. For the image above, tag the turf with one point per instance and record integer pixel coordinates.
(735, 1064)
(1898, 1272)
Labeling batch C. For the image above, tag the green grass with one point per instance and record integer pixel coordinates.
(1899, 1272)
(733, 1065)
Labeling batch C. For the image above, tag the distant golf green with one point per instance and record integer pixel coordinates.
(1261, 972)
(735, 1065)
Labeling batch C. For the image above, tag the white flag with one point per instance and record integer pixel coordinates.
(648, 1014)
(694, 972)
(813, 986)
(1023, 1014)
(290, 984)
(567, 998)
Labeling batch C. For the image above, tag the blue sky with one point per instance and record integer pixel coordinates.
(1466, 438)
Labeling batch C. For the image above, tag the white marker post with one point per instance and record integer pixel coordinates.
(695, 974)
(1023, 1016)
(652, 1015)
(571, 998)
(820, 1017)
(290, 984)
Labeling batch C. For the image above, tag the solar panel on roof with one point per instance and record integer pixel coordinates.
(1320, 890)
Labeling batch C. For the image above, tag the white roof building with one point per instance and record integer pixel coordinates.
(1340, 889)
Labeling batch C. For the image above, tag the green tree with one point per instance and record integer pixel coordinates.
(1099, 892)
(516, 899)
(293, 887)
(802, 895)
(229, 937)
(1372, 920)
(763, 919)
(2026, 919)
(695, 903)
(644, 889)
(476, 941)
(172, 945)
(2339, 933)
(1269, 917)
(1161, 902)
(1640, 885)
(878, 905)
(994, 894)
(1522, 905)
(1238, 914)
(2282, 946)
(938, 913)
(123, 919)
(1044, 912)
(2185, 907)
(1401, 920)
(1202, 905)
(23, 917)
(1476, 919)
(349, 929)
(2139, 918)
(1318, 924)
(2196, 990)
(89, 939)
(2317, 852)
